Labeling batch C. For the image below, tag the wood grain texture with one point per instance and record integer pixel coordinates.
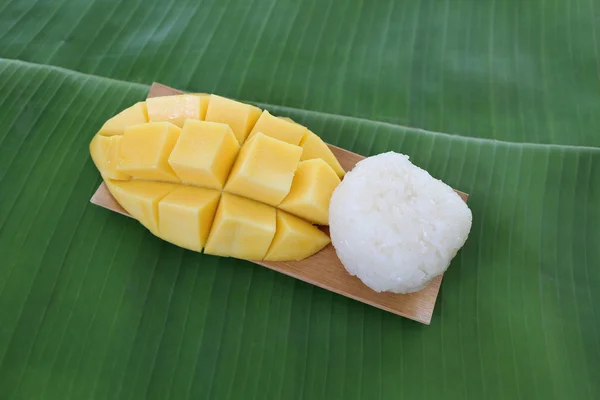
(324, 268)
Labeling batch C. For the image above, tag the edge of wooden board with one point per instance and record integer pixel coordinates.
(324, 268)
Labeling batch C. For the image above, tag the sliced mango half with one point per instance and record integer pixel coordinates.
(211, 174)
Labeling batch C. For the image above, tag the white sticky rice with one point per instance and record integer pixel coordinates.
(394, 226)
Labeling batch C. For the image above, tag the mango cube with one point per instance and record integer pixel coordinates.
(314, 147)
(134, 115)
(279, 128)
(105, 154)
(177, 109)
(239, 116)
(140, 199)
(145, 151)
(311, 191)
(186, 214)
(242, 228)
(204, 154)
(295, 239)
(264, 169)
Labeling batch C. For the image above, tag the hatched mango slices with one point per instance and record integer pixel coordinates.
(208, 173)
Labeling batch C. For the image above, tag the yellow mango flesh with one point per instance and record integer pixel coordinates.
(204, 154)
(105, 154)
(295, 239)
(204, 98)
(279, 128)
(242, 228)
(264, 170)
(136, 114)
(145, 149)
(198, 188)
(177, 109)
(311, 191)
(185, 216)
(140, 199)
(239, 116)
(314, 147)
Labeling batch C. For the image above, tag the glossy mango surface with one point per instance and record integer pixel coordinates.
(212, 174)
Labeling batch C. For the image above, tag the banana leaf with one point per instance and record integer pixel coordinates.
(523, 71)
(503, 97)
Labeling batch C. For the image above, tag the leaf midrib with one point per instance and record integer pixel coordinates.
(314, 112)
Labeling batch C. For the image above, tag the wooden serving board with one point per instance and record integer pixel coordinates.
(324, 269)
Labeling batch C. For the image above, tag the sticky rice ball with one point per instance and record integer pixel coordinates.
(394, 226)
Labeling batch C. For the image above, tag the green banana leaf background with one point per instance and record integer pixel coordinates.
(499, 98)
